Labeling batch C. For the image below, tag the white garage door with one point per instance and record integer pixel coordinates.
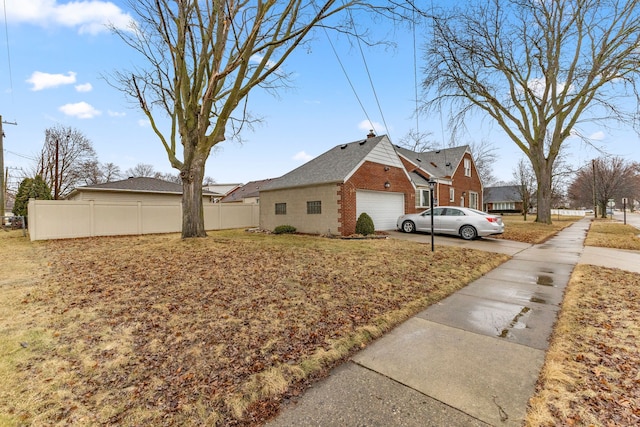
(384, 208)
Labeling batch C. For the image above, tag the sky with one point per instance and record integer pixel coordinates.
(55, 54)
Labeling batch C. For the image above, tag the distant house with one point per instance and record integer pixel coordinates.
(141, 189)
(328, 193)
(457, 180)
(248, 193)
(503, 199)
(221, 190)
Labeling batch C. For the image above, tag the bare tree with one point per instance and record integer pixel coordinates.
(110, 172)
(98, 173)
(66, 159)
(141, 170)
(418, 142)
(202, 60)
(604, 179)
(536, 68)
(146, 170)
(484, 156)
(525, 180)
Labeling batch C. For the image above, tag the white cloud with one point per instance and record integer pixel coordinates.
(41, 80)
(597, 136)
(143, 123)
(116, 114)
(84, 87)
(258, 58)
(537, 86)
(302, 157)
(81, 110)
(88, 16)
(367, 125)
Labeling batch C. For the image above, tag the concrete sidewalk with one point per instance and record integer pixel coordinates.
(471, 360)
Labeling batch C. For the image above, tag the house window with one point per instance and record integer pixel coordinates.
(504, 206)
(467, 167)
(452, 194)
(473, 200)
(314, 207)
(281, 208)
(422, 198)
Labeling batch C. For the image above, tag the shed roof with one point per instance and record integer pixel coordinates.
(137, 185)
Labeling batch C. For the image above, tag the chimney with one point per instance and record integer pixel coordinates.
(371, 134)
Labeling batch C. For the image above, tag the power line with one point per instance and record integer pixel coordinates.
(24, 156)
(344, 71)
(6, 31)
(364, 60)
(415, 70)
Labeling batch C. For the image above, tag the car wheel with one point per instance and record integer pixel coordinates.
(467, 232)
(408, 227)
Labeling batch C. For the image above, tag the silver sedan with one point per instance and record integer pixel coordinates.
(464, 222)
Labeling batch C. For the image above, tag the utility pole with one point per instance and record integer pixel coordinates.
(3, 184)
(595, 201)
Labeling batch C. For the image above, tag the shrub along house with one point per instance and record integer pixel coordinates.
(453, 169)
(327, 194)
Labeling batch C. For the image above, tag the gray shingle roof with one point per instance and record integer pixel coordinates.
(250, 189)
(505, 193)
(140, 184)
(332, 166)
(438, 163)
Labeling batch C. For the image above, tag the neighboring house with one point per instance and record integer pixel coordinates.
(328, 193)
(457, 180)
(221, 190)
(147, 190)
(248, 193)
(503, 199)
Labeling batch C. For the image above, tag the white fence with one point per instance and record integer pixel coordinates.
(67, 219)
(568, 212)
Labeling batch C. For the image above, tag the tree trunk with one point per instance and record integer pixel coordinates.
(192, 207)
(543, 174)
(603, 208)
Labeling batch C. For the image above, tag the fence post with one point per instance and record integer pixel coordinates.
(92, 219)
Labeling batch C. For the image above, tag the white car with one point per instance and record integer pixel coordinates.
(464, 222)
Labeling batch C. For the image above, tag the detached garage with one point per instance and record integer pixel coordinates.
(384, 208)
(327, 194)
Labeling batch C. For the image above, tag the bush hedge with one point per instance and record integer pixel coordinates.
(364, 225)
(284, 229)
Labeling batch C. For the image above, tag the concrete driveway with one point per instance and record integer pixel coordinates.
(487, 244)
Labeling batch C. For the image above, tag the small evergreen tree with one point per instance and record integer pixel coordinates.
(30, 188)
(364, 225)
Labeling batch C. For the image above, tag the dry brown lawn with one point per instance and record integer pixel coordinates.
(155, 330)
(591, 375)
(613, 234)
(529, 231)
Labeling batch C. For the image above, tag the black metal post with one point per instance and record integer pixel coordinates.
(431, 204)
(432, 184)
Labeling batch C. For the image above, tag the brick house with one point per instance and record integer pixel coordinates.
(328, 193)
(248, 193)
(457, 180)
(503, 199)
